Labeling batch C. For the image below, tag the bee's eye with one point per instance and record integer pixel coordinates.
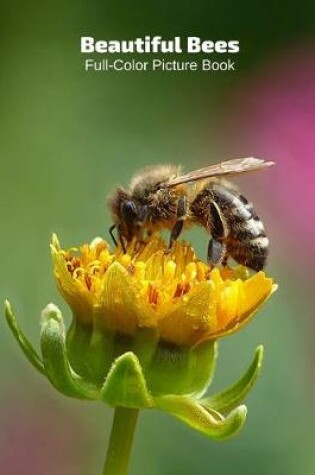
(129, 211)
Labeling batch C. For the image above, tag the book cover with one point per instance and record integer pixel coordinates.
(91, 94)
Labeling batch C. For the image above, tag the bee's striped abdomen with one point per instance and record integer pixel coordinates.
(245, 236)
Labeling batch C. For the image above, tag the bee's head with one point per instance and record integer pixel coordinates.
(128, 214)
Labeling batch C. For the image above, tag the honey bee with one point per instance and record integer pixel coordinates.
(162, 197)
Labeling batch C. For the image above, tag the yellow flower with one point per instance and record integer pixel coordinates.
(144, 331)
(173, 293)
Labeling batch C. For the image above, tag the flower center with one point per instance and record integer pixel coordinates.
(159, 276)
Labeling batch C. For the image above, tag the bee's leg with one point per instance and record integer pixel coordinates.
(224, 260)
(121, 240)
(217, 252)
(214, 254)
(175, 233)
(111, 233)
(180, 216)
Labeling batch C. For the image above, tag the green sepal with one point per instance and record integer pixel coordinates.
(125, 384)
(202, 363)
(55, 358)
(235, 394)
(25, 345)
(78, 341)
(210, 423)
(181, 371)
(90, 350)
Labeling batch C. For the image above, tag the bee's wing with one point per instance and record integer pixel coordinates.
(227, 168)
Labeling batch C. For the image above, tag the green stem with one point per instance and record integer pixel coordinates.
(120, 443)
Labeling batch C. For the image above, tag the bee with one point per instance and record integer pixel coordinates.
(162, 197)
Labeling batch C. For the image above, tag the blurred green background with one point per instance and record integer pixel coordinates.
(68, 136)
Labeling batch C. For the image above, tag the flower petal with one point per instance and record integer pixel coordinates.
(192, 318)
(119, 301)
(121, 304)
(250, 294)
(75, 293)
